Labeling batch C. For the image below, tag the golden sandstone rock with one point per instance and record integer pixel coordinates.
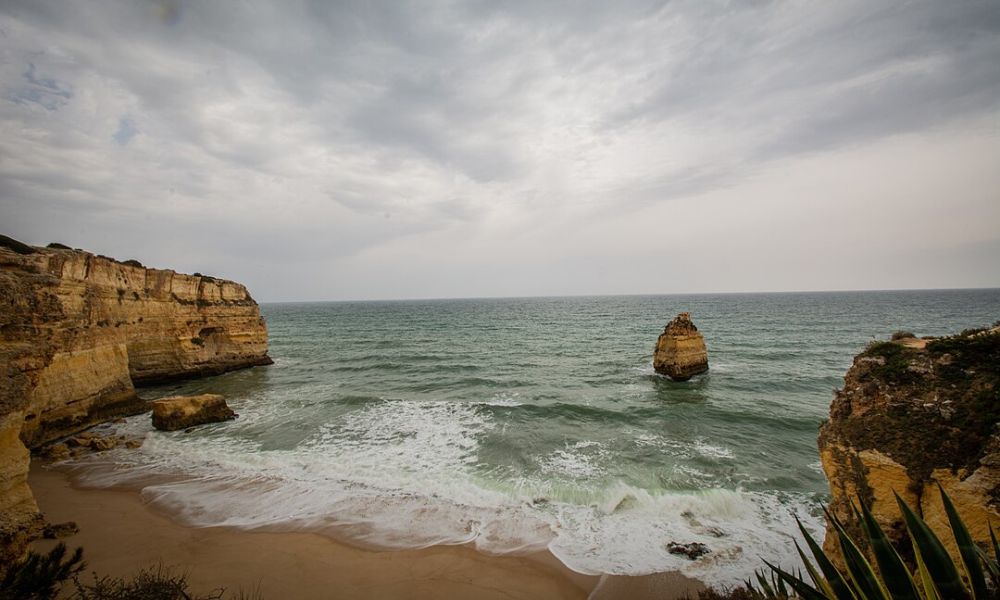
(181, 412)
(912, 416)
(680, 350)
(78, 331)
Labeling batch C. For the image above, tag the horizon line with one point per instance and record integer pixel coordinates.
(554, 296)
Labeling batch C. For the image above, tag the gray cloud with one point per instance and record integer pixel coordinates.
(412, 149)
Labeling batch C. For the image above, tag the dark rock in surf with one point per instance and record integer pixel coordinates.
(693, 551)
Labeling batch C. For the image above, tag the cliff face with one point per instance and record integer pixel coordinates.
(77, 331)
(914, 414)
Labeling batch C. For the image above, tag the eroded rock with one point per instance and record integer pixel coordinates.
(94, 440)
(915, 413)
(680, 350)
(77, 333)
(181, 412)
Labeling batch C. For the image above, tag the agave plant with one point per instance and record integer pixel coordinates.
(936, 576)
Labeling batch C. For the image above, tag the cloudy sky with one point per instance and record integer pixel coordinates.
(323, 150)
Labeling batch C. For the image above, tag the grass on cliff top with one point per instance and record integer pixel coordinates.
(962, 396)
(975, 350)
(895, 368)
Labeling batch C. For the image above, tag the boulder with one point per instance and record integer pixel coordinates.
(56, 452)
(181, 412)
(680, 350)
(693, 551)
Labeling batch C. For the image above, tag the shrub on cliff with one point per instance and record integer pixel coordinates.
(895, 367)
(43, 576)
(40, 576)
(156, 583)
(16, 246)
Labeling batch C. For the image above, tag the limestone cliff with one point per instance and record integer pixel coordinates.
(78, 331)
(913, 414)
(680, 351)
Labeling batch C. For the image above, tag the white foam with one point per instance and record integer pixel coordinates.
(712, 451)
(404, 474)
(681, 449)
(576, 461)
(504, 399)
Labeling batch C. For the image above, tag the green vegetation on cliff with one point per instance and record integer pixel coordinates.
(947, 391)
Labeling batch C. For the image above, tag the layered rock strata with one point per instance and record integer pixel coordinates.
(181, 412)
(914, 414)
(680, 350)
(78, 331)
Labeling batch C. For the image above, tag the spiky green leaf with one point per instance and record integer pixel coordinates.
(818, 581)
(895, 576)
(779, 585)
(768, 590)
(996, 546)
(966, 548)
(862, 574)
(840, 587)
(803, 589)
(932, 556)
(991, 565)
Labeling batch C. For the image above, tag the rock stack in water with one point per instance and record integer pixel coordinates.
(680, 350)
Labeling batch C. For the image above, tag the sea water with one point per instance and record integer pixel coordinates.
(519, 425)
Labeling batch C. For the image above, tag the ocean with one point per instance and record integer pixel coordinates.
(528, 424)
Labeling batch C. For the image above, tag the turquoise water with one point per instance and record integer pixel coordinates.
(526, 424)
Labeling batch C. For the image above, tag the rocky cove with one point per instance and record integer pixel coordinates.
(199, 325)
(79, 332)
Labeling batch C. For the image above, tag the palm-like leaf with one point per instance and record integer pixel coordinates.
(932, 557)
(938, 572)
(865, 582)
(895, 576)
(966, 548)
(839, 586)
(803, 589)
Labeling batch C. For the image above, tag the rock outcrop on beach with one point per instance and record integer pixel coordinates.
(680, 350)
(78, 331)
(181, 412)
(915, 414)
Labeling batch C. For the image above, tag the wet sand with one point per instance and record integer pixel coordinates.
(120, 535)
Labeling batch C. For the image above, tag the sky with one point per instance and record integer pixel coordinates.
(386, 150)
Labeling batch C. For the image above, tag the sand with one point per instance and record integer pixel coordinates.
(120, 534)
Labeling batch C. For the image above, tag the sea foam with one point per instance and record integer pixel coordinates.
(406, 474)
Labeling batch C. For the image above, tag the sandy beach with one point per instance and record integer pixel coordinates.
(120, 534)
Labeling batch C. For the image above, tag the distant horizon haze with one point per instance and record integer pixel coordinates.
(345, 151)
(583, 294)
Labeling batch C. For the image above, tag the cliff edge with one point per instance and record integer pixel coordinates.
(78, 331)
(915, 413)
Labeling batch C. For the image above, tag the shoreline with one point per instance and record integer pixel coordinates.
(121, 534)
